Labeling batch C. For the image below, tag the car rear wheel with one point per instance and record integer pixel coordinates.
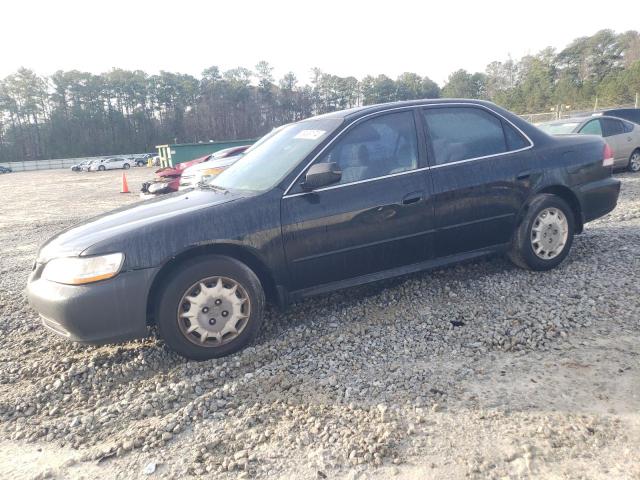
(634, 161)
(544, 237)
(211, 307)
(102, 168)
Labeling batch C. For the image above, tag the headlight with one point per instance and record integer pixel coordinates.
(80, 270)
(156, 187)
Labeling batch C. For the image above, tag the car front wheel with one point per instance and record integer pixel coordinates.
(211, 307)
(545, 235)
(102, 168)
(126, 166)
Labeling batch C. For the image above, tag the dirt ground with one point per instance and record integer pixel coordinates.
(541, 380)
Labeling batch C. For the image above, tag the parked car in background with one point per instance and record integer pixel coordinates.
(212, 167)
(167, 179)
(630, 114)
(110, 164)
(78, 167)
(5, 169)
(333, 201)
(139, 160)
(621, 135)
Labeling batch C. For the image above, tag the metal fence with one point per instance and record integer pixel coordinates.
(56, 163)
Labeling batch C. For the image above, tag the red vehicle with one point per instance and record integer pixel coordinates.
(167, 179)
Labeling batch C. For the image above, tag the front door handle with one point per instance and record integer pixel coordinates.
(413, 197)
(523, 175)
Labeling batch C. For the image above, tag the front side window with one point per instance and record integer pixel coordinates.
(377, 147)
(592, 128)
(462, 133)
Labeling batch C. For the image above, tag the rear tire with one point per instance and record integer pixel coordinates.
(102, 168)
(544, 237)
(634, 161)
(227, 311)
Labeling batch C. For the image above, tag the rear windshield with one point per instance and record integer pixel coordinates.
(558, 128)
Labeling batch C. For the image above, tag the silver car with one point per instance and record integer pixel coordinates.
(110, 164)
(621, 135)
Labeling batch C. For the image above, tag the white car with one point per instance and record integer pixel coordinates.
(110, 164)
(204, 171)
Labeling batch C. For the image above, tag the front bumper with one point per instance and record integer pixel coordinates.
(109, 311)
(598, 198)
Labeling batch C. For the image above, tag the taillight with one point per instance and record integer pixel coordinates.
(607, 156)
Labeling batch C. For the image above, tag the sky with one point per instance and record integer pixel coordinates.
(339, 37)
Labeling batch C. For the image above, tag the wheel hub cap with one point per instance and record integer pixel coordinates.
(549, 233)
(213, 311)
(635, 162)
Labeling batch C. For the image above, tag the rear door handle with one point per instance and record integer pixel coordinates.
(523, 175)
(413, 197)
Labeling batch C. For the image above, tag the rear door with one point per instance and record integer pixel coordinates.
(482, 167)
(378, 217)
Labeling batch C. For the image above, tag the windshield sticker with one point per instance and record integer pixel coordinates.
(310, 134)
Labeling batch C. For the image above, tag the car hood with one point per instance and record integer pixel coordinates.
(75, 240)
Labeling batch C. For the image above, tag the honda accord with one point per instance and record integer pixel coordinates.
(333, 201)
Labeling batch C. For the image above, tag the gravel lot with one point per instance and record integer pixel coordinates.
(482, 370)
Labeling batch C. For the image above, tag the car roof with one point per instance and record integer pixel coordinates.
(356, 112)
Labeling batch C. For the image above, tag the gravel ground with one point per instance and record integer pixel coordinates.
(478, 371)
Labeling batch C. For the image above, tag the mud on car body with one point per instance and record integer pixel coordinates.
(334, 201)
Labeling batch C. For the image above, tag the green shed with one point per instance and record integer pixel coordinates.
(183, 152)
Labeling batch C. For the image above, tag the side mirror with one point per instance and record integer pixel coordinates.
(321, 174)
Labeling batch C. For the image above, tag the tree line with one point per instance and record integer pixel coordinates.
(74, 113)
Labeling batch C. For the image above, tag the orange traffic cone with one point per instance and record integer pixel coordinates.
(125, 186)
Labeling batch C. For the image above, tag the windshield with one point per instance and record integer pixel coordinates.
(275, 155)
(559, 128)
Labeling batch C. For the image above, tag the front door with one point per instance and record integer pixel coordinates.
(379, 216)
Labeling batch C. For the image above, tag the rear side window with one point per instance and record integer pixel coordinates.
(592, 128)
(628, 127)
(611, 127)
(515, 140)
(462, 133)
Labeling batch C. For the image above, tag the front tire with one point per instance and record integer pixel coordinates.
(126, 166)
(634, 161)
(102, 168)
(211, 307)
(544, 237)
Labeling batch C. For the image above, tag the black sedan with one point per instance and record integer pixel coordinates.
(333, 201)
